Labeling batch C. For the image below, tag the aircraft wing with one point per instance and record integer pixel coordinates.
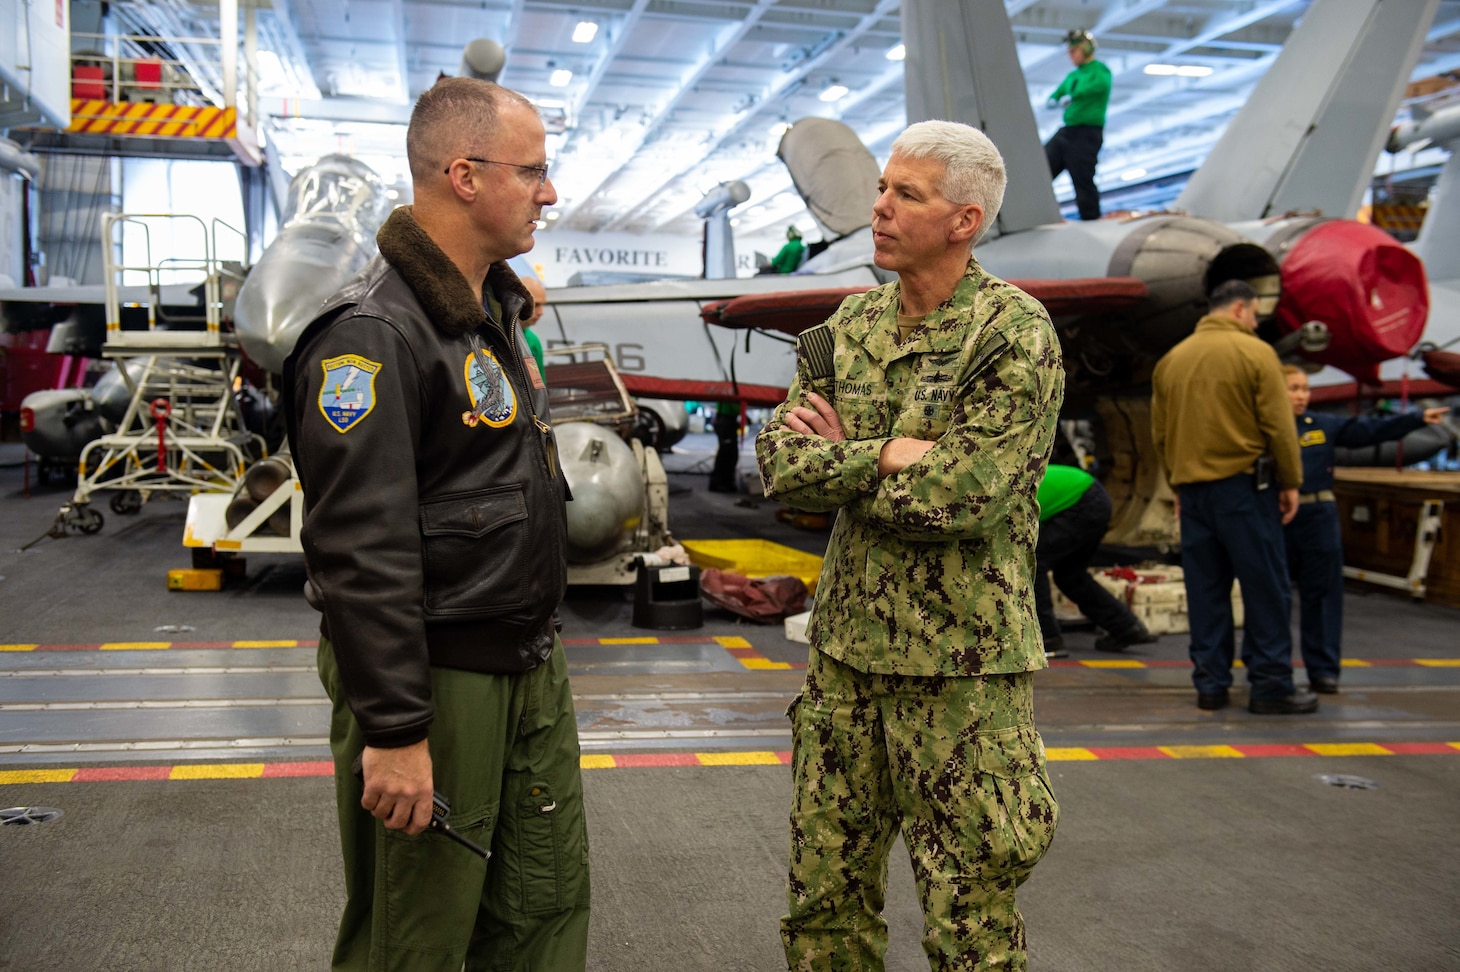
(792, 312)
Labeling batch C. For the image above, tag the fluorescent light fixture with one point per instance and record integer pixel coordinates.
(1193, 71)
(1161, 70)
(1131, 175)
(898, 53)
(585, 32)
(778, 129)
(552, 215)
(560, 78)
(835, 93)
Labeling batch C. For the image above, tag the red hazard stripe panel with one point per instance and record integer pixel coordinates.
(593, 761)
(138, 118)
(793, 311)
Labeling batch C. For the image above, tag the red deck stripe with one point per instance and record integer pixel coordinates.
(1127, 752)
(622, 760)
(115, 774)
(278, 770)
(1274, 750)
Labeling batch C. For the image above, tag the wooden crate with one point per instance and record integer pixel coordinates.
(1379, 510)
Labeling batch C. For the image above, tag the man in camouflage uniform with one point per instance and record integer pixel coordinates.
(926, 424)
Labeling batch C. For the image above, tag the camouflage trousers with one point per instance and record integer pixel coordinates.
(955, 764)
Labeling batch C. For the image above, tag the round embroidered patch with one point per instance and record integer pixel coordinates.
(492, 399)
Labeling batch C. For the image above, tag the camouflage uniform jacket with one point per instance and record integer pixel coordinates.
(929, 571)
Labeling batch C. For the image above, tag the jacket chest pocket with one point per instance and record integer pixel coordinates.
(863, 418)
(474, 552)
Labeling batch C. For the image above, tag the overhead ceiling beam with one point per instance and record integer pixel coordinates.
(403, 74)
(888, 78)
(722, 43)
(776, 90)
(623, 29)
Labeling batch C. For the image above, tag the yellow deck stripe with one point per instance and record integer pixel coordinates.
(37, 776)
(1201, 752)
(18, 647)
(738, 759)
(732, 641)
(1058, 754)
(1114, 663)
(764, 664)
(135, 645)
(1354, 663)
(628, 641)
(1348, 749)
(596, 761)
(1438, 662)
(217, 771)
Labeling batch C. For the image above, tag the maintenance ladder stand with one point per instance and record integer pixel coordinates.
(182, 430)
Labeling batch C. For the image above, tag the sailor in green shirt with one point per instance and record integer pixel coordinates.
(1084, 92)
(788, 259)
(1074, 513)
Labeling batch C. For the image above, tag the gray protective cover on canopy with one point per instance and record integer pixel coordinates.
(833, 171)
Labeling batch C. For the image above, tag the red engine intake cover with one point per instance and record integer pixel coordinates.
(1368, 289)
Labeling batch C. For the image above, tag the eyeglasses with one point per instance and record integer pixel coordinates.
(541, 170)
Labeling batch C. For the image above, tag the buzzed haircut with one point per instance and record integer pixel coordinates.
(454, 118)
(974, 173)
(1229, 292)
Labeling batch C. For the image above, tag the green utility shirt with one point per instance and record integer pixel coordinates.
(1218, 401)
(788, 258)
(929, 571)
(1061, 489)
(1089, 89)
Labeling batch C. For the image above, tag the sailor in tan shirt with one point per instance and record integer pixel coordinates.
(1222, 425)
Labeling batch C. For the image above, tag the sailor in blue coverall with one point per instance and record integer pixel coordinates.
(1314, 540)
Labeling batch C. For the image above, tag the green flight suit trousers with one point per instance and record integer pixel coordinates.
(956, 764)
(504, 752)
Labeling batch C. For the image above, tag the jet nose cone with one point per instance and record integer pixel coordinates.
(1368, 289)
(287, 287)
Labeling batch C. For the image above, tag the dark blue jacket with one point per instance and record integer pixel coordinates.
(1320, 432)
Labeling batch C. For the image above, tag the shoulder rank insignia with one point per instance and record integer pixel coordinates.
(492, 399)
(348, 392)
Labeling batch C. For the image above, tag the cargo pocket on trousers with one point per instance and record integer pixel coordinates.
(545, 844)
(1018, 799)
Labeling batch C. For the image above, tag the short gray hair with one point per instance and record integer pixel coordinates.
(453, 117)
(974, 168)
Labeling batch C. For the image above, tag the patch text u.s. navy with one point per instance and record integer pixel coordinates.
(348, 392)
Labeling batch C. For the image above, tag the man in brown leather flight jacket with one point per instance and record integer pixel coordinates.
(435, 540)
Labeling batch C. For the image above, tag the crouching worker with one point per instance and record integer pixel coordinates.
(923, 413)
(1314, 538)
(1074, 513)
(435, 537)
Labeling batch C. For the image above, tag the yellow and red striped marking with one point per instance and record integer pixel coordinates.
(601, 761)
(739, 647)
(168, 121)
(161, 645)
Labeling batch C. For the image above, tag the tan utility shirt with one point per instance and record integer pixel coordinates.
(1218, 402)
(929, 571)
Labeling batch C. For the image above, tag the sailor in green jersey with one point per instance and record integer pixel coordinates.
(1084, 92)
(788, 259)
(1074, 513)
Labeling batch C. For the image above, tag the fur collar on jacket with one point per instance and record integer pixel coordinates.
(444, 294)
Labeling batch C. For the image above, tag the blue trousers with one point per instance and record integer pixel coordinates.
(1315, 560)
(1230, 529)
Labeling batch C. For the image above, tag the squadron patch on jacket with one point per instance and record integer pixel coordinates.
(1312, 437)
(348, 392)
(492, 399)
